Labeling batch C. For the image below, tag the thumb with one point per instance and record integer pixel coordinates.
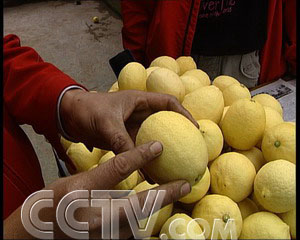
(121, 166)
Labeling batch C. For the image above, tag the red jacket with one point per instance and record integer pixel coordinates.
(153, 28)
(31, 90)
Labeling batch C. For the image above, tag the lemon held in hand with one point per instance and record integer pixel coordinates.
(198, 190)
(184, 155)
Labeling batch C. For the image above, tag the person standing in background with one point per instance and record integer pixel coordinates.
(255, 40)
(228, 38)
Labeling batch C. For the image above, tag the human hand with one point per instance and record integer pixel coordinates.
(110, 121)
(103, 177)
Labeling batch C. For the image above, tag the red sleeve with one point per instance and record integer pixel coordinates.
(289, 23)
(137, 17)
(32, 88)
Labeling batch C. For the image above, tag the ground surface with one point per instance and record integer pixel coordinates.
(64, 34)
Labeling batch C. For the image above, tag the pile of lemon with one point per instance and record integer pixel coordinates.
(240, 162)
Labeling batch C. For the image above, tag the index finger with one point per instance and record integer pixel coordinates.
(122, 165)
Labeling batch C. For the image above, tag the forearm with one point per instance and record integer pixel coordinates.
(13, 227)
(24, 215)
(32, 87)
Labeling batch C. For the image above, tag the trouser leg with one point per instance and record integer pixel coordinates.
(245, 68)
(209, 64)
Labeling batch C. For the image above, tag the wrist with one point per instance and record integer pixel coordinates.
(65, 111)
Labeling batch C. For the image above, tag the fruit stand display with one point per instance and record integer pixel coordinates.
(240, 162)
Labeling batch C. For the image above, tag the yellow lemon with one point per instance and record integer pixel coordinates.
(185, 63)
(224, 81)
(104, 151)
(163, 80)
(254, 199)
(96, 19)
(255, 156)
(219, 211)
(293, 123)
(65, 143)
(290, 219)
(279, 142)
(275, 186)
(200, 75)
(224, 112)
(264, 225)
(106, 157)
(210, 163)
(198, 190)
(190, 83)
(82, 158)
(166, 62)
(157, 220)
(149, 70)
(235, 92)
(132, 76)
(114, 87)
(244, 124)
(127, 184)
(247, 207)
(143, 186)
(205, 103)
(140, 178)
(92, 167)
(183, 148)
(181, 226)
(213, 137)
(232, 174)
(269, 101)
(273, 118)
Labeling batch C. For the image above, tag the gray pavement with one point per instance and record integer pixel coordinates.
(64, 34)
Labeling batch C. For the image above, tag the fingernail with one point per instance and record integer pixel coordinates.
(156, 148)
(185, 189)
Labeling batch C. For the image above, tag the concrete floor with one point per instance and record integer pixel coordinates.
(64, 34)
